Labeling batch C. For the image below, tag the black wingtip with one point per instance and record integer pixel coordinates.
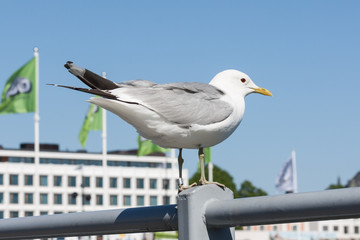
(68, 64)
(89, 78)
(91, 91)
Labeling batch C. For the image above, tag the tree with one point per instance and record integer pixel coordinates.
(336, 186)
(219, 175)
(247, 189)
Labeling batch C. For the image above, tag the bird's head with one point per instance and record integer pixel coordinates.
(236, 82)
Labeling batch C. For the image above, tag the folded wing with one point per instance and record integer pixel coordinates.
(184, 103)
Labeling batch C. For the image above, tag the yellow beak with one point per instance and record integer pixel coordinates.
(262, 91)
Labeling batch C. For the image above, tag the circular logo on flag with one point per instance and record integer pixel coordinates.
(19, 85)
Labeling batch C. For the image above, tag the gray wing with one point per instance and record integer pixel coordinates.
(183, 103)
(137, 83)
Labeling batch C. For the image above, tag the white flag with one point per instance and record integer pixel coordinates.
(285, 180)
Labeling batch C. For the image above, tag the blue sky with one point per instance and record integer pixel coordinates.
(306, 53)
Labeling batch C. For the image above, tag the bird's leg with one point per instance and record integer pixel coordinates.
(203, 180)
(180, 180)
(202, 167)
(180, 163)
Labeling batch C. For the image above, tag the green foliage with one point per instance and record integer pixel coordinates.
(335, 186)
(219, 175)
(247, 189)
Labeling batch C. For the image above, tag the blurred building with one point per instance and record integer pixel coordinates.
(64, 182)
(344, 229)
(355, 181)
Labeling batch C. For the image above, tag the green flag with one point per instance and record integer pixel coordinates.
(146, 146)
(92, 121)
(166, 235)
(207, 155)
(19, 94)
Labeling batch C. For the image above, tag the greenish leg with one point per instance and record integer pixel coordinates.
(203, 180)
(202, 167)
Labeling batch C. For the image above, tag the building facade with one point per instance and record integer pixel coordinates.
(63, 182)
(343, 229)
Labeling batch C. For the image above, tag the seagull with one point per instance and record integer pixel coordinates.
(190, 115)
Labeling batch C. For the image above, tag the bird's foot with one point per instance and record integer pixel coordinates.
(205, 182)
(182, 187)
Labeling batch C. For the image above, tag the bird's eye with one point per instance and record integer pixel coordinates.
(243, 80)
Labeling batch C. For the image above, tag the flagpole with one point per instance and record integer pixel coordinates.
(293, 157)
(104, 132)
(36, 116)
(172, 153)
(211, 169)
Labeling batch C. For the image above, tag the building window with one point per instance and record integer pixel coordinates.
(29, 213)
(28, 180)
(275, 228)
(294, 228)
(86, 199)
(140, 201)
(336, 228)
(166, 184)
(127, 200)
(99, 199)
(1, 214)
(346, 229)
(153, 183)
(43, 198)
(1, 197)
(356, 229)
(99, 182)
(72, 181)
(126, 183)
(14, 214)
(1, 179)
(85, 181)
(14, 198)
(153, 200)
(14, 179)
(72, 198)
(57, 198)
(140, 183)
(43, 213)
(325, 228)
(29, 199)
(166, 200)
(113, 182)
(57, 181)
(113, 200)
(43, 180)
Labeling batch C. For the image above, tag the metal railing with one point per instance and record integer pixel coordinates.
(205, 212)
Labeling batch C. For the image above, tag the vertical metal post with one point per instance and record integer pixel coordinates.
(191, 213)
(104, 133)
(211, 173)
(36, 114)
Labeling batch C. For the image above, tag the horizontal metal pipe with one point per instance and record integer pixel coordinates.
(332, 204)
(130, 220)
(297, 207)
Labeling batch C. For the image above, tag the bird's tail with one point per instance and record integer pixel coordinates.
(89, 78)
